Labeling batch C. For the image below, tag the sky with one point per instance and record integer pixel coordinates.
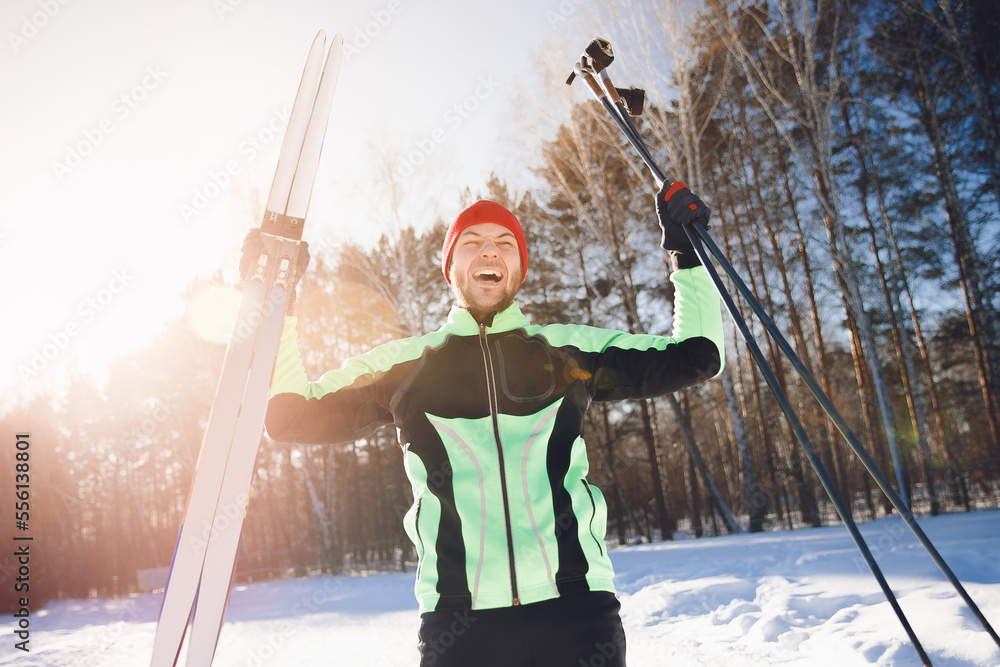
(139, 140)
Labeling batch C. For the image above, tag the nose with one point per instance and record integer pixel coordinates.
(489, 248)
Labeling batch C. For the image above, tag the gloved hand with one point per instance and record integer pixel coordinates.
(253, 246)
(677, 206)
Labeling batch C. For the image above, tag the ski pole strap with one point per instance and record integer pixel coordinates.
(633, 98)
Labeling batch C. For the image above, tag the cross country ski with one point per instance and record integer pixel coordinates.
(205, 554)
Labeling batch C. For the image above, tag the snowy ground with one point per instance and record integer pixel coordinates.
(782, 598)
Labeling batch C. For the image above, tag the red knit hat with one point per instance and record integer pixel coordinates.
(480, 212)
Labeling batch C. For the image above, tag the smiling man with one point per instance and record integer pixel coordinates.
(513, 569)
(484, 258)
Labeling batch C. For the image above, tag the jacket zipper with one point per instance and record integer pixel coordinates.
(491, 391)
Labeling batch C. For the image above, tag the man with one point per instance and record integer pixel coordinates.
(513, 568)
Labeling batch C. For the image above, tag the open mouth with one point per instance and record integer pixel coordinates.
(488, 276)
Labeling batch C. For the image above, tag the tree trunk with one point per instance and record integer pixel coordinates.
(803, 482)
(866, 350)
(756, 502)
(817, 329)
(667, 523)
(958, 34)
(609, 457)
(295, 524)
(824, 443)
(904, 359)
(982, 321)
(699, 463)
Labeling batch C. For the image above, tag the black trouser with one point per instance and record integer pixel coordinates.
(581, 630)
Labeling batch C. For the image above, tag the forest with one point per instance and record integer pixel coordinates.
(850, 153)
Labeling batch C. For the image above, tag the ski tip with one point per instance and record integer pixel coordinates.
(321, 35)
(338, 39)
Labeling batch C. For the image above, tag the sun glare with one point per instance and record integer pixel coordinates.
(211, 313)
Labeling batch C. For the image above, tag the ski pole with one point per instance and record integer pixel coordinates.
(845, 430)
(625, 122)
(772, 381)
(588, 68)
(599, 67)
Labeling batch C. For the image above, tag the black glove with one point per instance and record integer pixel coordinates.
(677, 206)
(253, 246)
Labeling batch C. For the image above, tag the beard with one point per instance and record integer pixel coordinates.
(483, 308)
(484, 313)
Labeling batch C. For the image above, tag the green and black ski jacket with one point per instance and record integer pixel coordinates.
(490, 420)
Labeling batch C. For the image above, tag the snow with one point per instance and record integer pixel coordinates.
(777, 598)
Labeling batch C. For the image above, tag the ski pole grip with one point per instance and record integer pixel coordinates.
(591, 80)
(608, 86)
(600, 53)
